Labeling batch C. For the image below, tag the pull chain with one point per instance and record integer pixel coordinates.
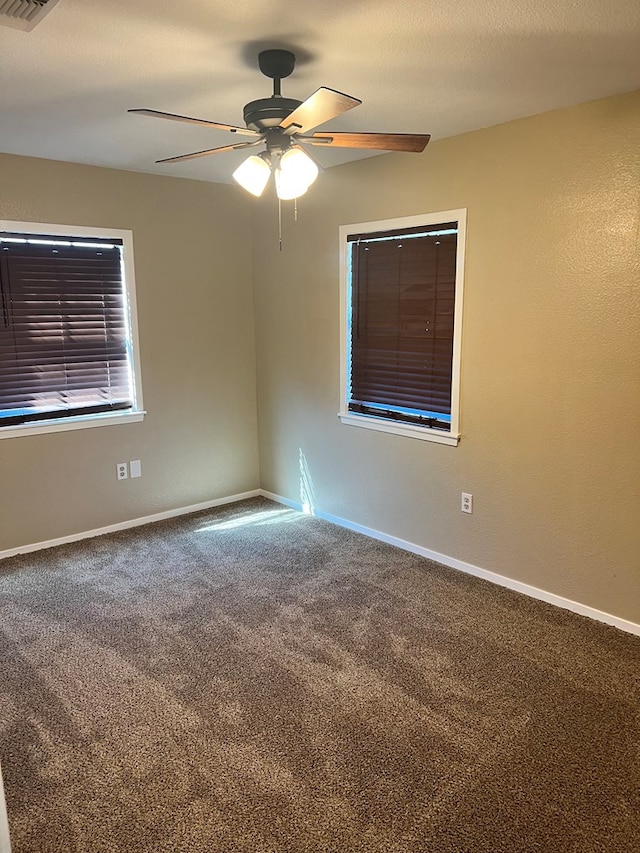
(295, 216)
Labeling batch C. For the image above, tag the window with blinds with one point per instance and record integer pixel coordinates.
(65, 331)
(403, 303)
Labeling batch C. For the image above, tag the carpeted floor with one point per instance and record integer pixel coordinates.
(254, 680)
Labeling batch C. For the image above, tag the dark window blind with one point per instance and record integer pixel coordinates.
(402, 312)
(63, 330)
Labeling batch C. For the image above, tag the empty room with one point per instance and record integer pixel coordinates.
(319, 427)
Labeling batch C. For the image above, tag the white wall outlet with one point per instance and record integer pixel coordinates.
(121, 470)
(135, 468)
(466, 504)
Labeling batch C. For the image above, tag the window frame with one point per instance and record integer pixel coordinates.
(137, 412)
(366, 421)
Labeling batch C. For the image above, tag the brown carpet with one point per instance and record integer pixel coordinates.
(253, 680)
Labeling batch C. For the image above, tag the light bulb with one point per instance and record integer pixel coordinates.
(295, 174)
(253, 174)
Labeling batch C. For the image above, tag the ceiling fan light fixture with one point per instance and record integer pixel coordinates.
(295, 173)
(253, 174)
(283, 125)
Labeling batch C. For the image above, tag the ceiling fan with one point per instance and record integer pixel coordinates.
(286, 127)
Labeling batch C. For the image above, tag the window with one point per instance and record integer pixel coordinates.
(68, 342)
(401, 283)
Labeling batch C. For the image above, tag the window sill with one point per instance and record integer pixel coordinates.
(64, 424)
(396, 428)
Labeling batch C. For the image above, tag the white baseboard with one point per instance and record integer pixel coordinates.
(469, 568)
(125, 525)
(452, 562)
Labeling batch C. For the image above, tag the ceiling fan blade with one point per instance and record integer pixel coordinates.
(415, 142)
(323, 105)
(173, 117)
(208, 151)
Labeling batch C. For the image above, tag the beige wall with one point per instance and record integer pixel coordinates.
(550, 402)
(193, 276)
(550, 375)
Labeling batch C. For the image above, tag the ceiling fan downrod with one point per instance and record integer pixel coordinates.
(269, 112)
(276, 64)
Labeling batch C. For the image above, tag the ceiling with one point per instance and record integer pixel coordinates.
(419, 66)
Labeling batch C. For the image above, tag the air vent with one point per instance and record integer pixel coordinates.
(24, 14)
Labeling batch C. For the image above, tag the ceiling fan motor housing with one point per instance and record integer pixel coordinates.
(268, 112)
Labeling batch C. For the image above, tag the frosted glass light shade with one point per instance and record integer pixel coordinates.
(295, 174)
(253, 174)
(288, 188)
(296, 162)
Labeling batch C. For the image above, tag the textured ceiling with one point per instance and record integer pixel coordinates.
(429, 67)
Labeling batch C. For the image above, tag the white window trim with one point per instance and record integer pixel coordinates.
(452, 435)
(137, 412)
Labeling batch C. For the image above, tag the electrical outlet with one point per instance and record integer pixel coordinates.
(466, 504)
(135, 468)
(121, 470)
